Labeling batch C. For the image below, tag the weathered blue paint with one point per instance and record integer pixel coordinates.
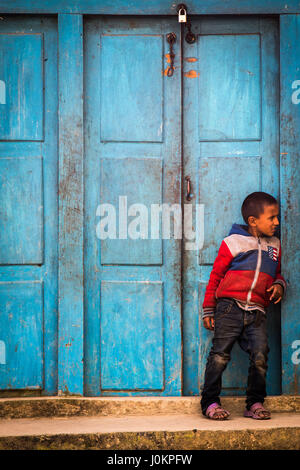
(135, 251)
(153, 7)
(233, 151)
(236, 115)
(26, 122)
(290, 196)
(133, 149)
(70, 311)
(131, 331)
(28, 193)
(2, 92)
(123, 120)
(21, 330)
(21, 242)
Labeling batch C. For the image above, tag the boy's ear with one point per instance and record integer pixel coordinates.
(252, 220)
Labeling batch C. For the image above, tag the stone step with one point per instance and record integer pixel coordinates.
(126, 406)
(185, 431)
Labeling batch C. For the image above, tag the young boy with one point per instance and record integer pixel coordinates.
(244, 279)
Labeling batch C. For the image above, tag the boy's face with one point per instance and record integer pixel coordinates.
(267, 222)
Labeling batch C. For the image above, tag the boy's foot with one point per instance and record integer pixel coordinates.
(257, 411)
(215, 411)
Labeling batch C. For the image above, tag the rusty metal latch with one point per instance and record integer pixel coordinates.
(190, 37)
(171, 38)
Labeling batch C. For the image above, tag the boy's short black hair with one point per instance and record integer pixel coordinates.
(254, 204)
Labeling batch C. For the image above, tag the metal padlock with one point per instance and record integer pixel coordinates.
(182, 15)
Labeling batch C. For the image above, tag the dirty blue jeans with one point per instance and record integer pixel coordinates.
(247, 328)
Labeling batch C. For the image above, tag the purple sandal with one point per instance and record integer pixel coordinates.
(257, 411)
(214, 410)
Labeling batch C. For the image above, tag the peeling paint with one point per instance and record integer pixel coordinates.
(192, 74)
(167, 56)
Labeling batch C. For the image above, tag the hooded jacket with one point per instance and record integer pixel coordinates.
(245, 267)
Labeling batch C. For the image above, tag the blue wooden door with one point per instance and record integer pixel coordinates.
(231, 148)
(132, 166)
(28, 204)
(133, 144)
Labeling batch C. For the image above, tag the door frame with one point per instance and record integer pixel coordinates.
(71, 168)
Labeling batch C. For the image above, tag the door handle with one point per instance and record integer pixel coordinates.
(189, 194)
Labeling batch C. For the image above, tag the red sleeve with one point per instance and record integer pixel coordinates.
(220, 267)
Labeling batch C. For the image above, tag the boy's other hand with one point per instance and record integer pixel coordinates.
(209, 323)
(276, 292)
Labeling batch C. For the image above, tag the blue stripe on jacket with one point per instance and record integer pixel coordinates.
(247, 261)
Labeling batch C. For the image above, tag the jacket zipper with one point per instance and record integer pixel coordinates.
(257, 270)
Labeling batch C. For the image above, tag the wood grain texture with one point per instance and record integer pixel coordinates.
(290, 198)
(155, 7)
(70, 70)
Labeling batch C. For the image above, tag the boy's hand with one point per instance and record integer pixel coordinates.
(276, 292)
(209, 323)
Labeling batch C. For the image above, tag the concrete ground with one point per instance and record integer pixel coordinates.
(143, 423)
(189, 432)
(113, 424)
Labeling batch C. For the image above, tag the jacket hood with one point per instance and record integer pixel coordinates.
(239, 230)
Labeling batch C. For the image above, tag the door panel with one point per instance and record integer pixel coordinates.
(236, 115)
(131, 251)
(131, 65)
(231, 148)
(133, 163)
(22, 115)
(28, 207)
